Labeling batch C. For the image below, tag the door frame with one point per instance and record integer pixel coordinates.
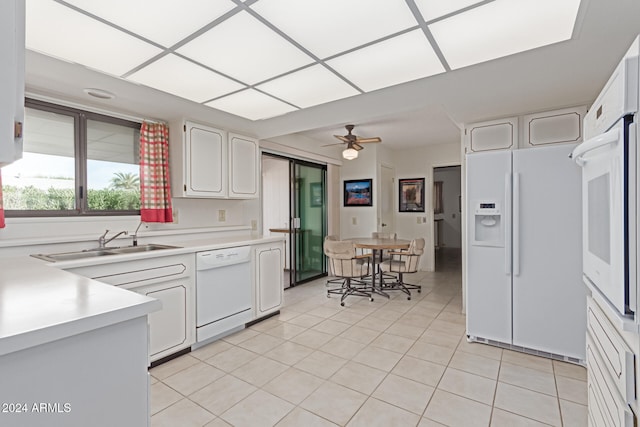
(393, 199)
(292, 160)
(431, 215)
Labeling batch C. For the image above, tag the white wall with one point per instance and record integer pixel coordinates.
(450, 227)
(419, 163)
(275, 199)
(334, 204)
(275, 193)
(365, 217)
(23, 236)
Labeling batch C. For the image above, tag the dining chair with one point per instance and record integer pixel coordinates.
(337, 281)
(347, 265)
(402, 262)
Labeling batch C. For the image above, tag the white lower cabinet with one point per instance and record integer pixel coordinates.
(167, 327)
(611, 378)
(170, 279)
(95, 378)
(269, 292)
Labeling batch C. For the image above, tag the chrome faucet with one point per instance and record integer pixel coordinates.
(102, 241)
(135, 235)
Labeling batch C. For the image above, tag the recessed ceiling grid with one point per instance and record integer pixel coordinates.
(263, 58)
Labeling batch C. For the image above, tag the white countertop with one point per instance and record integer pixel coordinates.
(182, 247)
(40, 303)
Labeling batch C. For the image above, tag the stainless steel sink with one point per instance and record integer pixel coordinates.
(91, 253)
(141, 248)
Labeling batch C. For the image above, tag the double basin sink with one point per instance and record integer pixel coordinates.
(92, 253)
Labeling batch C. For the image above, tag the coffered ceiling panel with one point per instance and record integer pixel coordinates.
(286, 55)
(390, 62)
(434, 9)
(59, 31)
(328, 27)
(165, 22)
(503, 27)
(310, 86)
(244, 48)
(185, 79)
(251, 104)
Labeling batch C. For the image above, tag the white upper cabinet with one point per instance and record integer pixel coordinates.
(492, 135)
(537, 130)
(12, 23)
(205, 162)
(553, 127)
(206, 165)
(198, 156)
(244, 166)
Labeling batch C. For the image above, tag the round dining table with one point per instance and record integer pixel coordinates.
(377, 245)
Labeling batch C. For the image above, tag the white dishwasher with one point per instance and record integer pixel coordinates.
(223, 291)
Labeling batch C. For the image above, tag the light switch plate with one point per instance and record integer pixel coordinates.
(222, 215)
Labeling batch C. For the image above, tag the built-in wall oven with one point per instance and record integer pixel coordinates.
(609, 160)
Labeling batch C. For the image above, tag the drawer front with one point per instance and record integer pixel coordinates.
(617, 359)
(139, 272)
(606, 405)
(143, 275)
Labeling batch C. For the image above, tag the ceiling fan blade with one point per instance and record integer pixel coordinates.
(342, 138)
(331, 145)
(357, 146)
(365, 140)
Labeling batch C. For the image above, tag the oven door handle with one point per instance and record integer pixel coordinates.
(607, 138)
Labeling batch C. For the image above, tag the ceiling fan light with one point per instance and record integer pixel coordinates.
(350, 153)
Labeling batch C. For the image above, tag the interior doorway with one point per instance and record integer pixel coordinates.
(294, 204)
(387, 222)
(447, 214)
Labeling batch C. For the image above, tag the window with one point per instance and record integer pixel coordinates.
(74, 163)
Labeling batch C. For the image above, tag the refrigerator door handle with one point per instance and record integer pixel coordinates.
(516, 224)
(507, 224)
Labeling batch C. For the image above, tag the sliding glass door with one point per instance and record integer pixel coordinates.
(309, 213)
(294, 205)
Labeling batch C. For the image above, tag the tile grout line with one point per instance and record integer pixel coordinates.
(436, 296)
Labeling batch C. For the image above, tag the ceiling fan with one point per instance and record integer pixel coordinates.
(353, 143)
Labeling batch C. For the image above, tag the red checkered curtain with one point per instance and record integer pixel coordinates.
(1, 204)
(155, 191)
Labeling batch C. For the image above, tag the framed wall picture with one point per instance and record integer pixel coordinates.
(411, 195)
(358, 192)
(315, 194)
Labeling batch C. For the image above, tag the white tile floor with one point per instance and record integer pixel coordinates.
(383, 363)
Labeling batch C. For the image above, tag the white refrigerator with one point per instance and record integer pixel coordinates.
(524, 243)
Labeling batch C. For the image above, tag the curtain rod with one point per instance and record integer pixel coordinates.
(92, 109)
